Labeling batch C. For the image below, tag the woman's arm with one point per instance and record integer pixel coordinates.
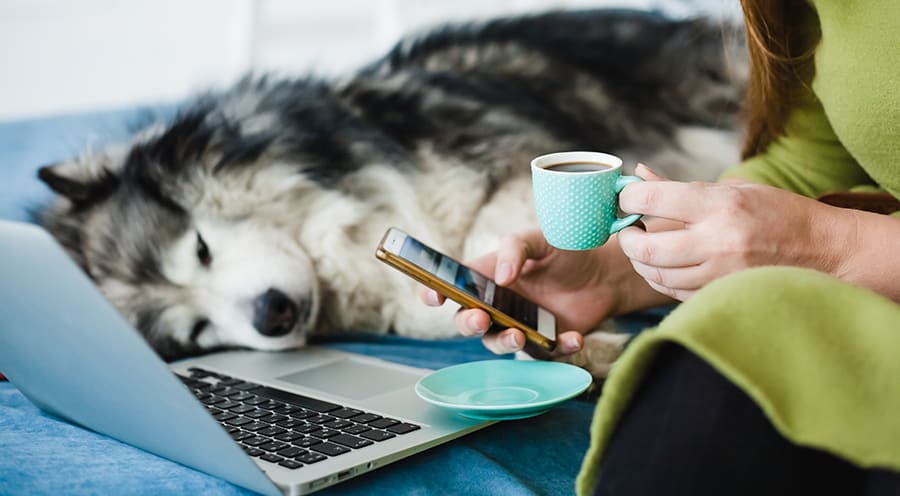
(871, 254)
(729, 227)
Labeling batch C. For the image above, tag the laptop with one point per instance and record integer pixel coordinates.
(275, 423)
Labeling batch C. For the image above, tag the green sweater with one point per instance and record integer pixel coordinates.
(819, 356)
(846, 133)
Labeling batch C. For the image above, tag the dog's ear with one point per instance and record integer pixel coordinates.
(80, 181)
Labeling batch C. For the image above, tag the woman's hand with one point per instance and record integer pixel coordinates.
(726, 227)
(582, 288)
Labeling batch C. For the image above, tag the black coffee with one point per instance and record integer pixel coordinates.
(578, 167)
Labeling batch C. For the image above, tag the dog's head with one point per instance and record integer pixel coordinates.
(190, 237)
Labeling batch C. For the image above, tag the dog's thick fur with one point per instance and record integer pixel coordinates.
(250, 219)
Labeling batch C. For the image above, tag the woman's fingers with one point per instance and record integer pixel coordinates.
(514, 251)
(472, 322)
(676, 248)
(647, 174)
(504, 342)
(513, 340)
(687, 202)
(678, 294)
(429, 296)
(680, 278)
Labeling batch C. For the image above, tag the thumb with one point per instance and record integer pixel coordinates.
(647, 174)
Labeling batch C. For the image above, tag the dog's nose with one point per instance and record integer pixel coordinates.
(274, 314)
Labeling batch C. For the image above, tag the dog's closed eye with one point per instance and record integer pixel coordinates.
(203, 254)
(199, 326)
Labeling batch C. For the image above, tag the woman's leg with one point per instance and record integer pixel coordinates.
(688, 430)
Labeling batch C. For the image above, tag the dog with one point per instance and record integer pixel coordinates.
(250, 219)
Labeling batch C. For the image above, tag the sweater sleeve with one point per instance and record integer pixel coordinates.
(808, 159)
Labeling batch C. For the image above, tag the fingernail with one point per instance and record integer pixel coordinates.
(472, 324)
(510, 342)
(504, 271)
(572, 343)
(433, 297)
(648, 169)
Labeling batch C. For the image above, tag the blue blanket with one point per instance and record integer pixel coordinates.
(40, 454)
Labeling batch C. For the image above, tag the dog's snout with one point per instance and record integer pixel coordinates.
(274, 314)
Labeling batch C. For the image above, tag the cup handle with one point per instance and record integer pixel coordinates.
(622, 223)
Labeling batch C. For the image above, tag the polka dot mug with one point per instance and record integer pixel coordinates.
(576, 195)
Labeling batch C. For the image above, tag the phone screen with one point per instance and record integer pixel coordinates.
(471, 282)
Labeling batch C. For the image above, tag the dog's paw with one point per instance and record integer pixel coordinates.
(600, 350)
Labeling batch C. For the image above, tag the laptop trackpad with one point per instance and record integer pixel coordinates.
(352, 379)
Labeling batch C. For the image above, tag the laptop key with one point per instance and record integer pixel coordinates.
(227, 404)
(403, 428)
(254, 451)
(320, 419)
(330, 449)
(357, 428)
(383, 423)
(291, 452)
(306, 429)
(291, 464)
(256, 401)
(269, 457)
(223, 416)
(290, 423)
(296, 399)
(239, 421)
(273, 419)
(272, 405)
(240, 396)
(241, 435)
(324, 433)
(255, 426)
(286, 409)
(365, 418)
(255, 441)
(243, 408)
(376, 435)
(245, 386)
(273, 446)
(212, 400)
(338, 424)
(289, 436)
(198, 373)
(311, 458)
(257, 414)
(271, 431)
(306, 442)
(303, 414)
(350, 441)
(345, 412)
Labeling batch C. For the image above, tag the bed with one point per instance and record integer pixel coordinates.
(40, 454)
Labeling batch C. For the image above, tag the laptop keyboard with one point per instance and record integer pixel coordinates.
(286, 428)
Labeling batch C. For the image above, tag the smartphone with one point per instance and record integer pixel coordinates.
(469, 288)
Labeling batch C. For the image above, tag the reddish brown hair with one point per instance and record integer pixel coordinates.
(781, 35)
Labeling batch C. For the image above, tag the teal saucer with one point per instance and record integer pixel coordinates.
(503, 389)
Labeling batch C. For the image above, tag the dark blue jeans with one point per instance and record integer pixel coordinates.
(689, 431)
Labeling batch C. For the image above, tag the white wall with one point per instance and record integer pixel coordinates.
(64, 56)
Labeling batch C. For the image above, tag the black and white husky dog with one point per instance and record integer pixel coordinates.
(250, 219)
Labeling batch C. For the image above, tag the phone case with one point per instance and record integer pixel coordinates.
(464, 299)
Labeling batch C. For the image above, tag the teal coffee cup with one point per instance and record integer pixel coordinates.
(576, 195)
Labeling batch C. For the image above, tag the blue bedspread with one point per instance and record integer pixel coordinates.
(541, 455)
(42, 455)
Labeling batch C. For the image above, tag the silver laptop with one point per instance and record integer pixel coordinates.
(290, 423)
